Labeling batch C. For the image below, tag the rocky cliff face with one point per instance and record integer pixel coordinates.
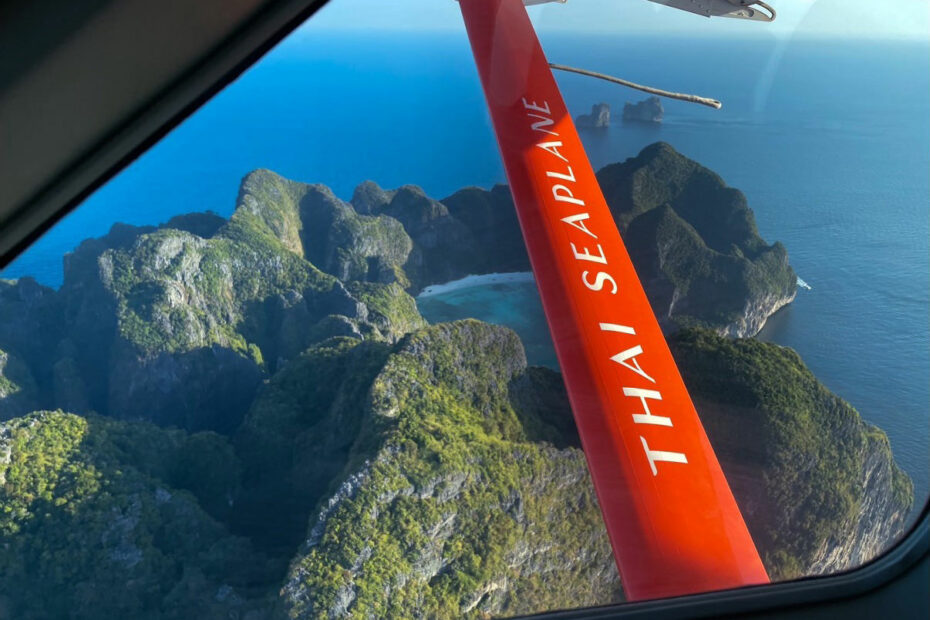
(877, 519)
(695, 244)
(437, 475)
(181, 323)
(369, 464)
(599, 118)
(167, 325)
(692, 239)
(451, 508)
(801, 462)
(18, 391)
(646, 111)
(818, 486)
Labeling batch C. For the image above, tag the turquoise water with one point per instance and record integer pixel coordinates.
(514, 304)
(835, 170)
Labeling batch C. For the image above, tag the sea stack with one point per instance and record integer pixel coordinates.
(646, 111)
(599, 118)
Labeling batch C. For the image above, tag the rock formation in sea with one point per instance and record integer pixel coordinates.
(646, 111)
(599, 118)
(248, 417)
(695, 244)
(693, 241)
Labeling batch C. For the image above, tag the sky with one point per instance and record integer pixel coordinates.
(873, 19)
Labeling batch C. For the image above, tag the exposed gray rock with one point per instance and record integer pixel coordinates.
(756, 312)
(524, 511)
(599, 118)
(18, 391)
(646, 111)
(695, 244)
(818, 486)
(206, 388)
(878, 521)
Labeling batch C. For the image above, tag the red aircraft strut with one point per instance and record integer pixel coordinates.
(672, 520)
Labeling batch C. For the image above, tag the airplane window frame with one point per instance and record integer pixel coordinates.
(897, 561)
(209, 75)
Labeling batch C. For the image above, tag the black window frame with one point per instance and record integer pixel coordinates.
(63, 190)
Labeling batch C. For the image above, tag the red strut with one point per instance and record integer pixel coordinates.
(671, 517)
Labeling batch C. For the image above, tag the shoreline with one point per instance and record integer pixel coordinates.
(471, 281)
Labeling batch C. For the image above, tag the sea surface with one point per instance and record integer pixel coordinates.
(830, 141)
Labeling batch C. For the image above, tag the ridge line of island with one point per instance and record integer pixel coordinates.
(249, 416)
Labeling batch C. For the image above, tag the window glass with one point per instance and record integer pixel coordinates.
(293, 362)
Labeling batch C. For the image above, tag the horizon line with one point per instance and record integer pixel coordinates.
(308, 29)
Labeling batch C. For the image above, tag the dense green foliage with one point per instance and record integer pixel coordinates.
(695, 244)
(91, 527)
(367, 464)
(295, 440)
(693, 241)
(799, 458)
(180, 323)
(390, 309)
(451, 510)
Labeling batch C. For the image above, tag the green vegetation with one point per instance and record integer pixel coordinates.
(177, 292)
(352, 246)
(271, 203)
(165, 320)
(390, 309)
(695, 244)
(449, 509)
(89, 527)
(802, 463)
(365, 464)
(296, 438)
(693, 241)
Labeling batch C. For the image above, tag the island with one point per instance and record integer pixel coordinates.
(646, 111)
(248, 416)
(599, 118)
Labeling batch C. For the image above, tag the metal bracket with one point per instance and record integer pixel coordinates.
(741, 9)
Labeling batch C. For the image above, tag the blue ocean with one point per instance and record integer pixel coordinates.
(829, 140)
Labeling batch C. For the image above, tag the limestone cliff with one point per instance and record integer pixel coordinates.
(695, 244)
(818, 486)
(648, 110)
(103, 519)
(369, 464)
(450, 506)
(599, 118)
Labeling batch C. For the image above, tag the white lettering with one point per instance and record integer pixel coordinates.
(620, 329)
(647, 417)
(537, 107)
(621, 358)
(599, 280)
(542, 124)
(584, 254)
(656, 456)
(567, 196)
(577, 221)
(565, 177)
(553, 147)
